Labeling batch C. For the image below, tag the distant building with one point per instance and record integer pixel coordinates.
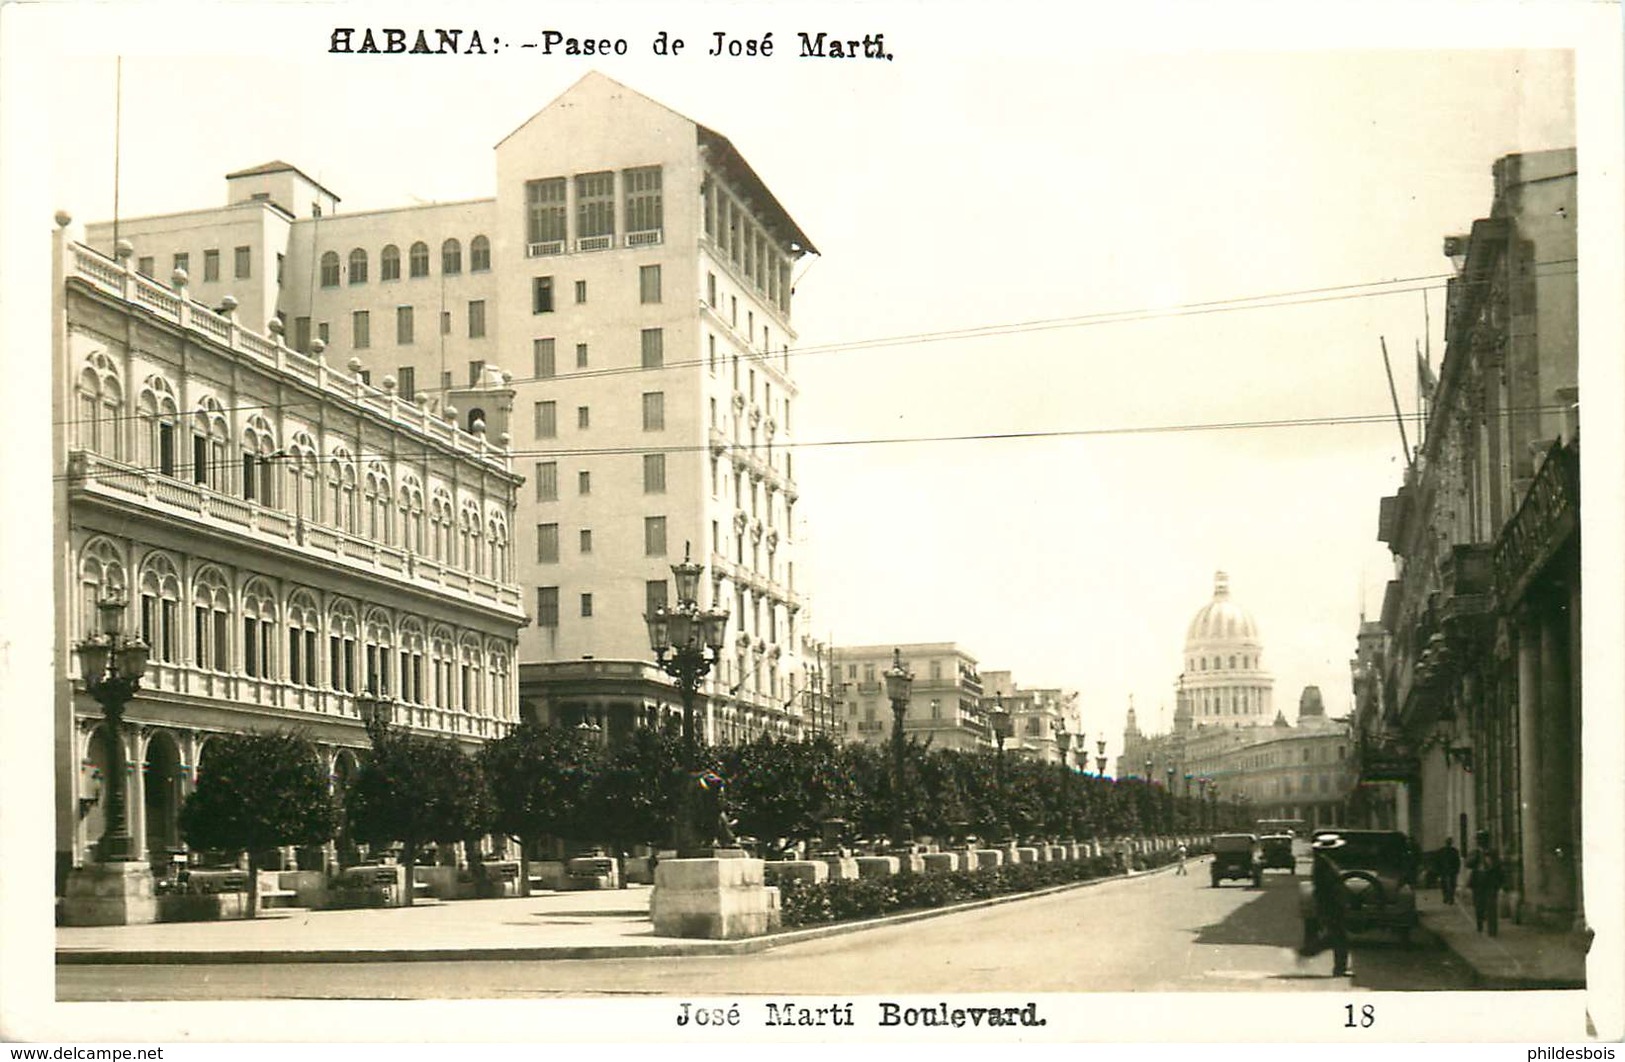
(1037, 716)
(946, 702)
(1468, 687)
(1228, 745)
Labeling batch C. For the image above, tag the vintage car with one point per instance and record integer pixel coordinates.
(1378, 874)
(1236, 855)
(1277, 849)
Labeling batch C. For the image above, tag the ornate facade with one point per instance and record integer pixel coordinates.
(286, 536)
(1468, 688)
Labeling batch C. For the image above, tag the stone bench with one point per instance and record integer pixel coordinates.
(877, 866)
(940, 862)
(811, 871)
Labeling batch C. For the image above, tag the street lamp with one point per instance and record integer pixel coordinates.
(1148, 776)
(999, 718)
(1201, 801)
(1100, 756)
(111, 667)
(1063, 741)
(687, 641)
(899, 681)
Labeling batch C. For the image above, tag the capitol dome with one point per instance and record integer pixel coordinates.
(1221, 620)
(1224, 682)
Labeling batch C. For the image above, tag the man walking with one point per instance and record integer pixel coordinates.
(1485, 875)
(1330, 905)
(1181, 854)
(1449, 869)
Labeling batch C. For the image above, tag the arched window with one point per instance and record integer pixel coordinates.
(389, 263)
(1232, 661)
(479, 255)
(440, 521)
(451, 257)
(358, 266)
(379, 525)
(158, 415)
(330, 269)
(411, 503)
(500, 701)
(470, 531)
(99, 426)
(211, 467)
(259, 630)
(497, 532)
(475, 416)
(341, 639)
(341, 489)
(301, 462)
(160, 607)
(411, 672)
(211, 618)
(380, 642)
(419, 264)
(100, 570)
(470, 690)
(304, 630)
(259, 448)
(444, 663)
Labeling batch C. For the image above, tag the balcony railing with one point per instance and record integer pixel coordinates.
(343, 389)
(595, 243)
(92, 475)
(544, 249)
(645, 238)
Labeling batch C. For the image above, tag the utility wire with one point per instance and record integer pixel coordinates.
(1063, 433)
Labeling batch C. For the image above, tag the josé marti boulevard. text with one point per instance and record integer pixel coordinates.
(845, 1014)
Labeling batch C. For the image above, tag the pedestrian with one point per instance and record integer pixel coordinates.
(1485, 876)
(1449, 867)
(1181, 854)
(1330, 906)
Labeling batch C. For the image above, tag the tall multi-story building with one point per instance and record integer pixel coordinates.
(1469, 690)
(261, 516)
(946, 701)
(629, 286)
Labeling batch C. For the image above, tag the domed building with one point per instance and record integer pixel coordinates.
(1224, 682)
(1229, 745)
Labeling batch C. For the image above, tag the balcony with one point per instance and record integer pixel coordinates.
(94, 478)
(645, 238)
(268, 354)
(596, 243)
(544, 249)
(1545, 522)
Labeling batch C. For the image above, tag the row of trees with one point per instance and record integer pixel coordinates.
(262, 791)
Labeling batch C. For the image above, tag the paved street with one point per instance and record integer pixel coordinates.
(1157, 932)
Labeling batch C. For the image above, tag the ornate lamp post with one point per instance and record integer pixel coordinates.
(899, 682)
(999, 719)
(1063, 742)
(687, 642)
(111, 667)
(1100, 756)
(1148, 775)
(1201, 801)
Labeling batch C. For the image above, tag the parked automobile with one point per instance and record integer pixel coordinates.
(1236, 855)
(1277, 851)
(1378, 872)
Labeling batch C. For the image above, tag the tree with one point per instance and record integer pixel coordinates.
(260, 791)
(541, 781)
(415, 790)
(638, 790)
(782, 791)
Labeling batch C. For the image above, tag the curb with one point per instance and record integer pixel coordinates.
(683, 949)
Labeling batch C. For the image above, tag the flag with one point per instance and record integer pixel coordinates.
(1426, 382)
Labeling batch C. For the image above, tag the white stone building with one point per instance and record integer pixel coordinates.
(286, 538)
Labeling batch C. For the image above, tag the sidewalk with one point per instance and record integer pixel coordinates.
(593, 924)
(1517, 957)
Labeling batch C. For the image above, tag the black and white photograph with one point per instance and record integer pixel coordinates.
(786, 522)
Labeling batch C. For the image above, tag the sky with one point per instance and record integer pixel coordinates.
(969, 186)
